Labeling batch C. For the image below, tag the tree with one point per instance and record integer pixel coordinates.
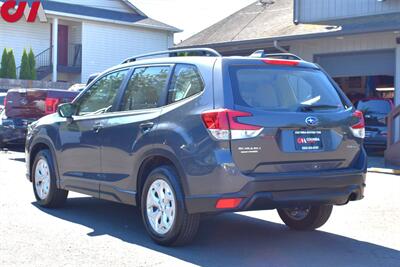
(11, 67)
(4, 63)
(25, 71)
(32, 64)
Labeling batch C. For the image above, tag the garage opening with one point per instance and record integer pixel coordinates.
(362, 74)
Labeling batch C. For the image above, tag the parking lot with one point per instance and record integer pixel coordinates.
(91, 232)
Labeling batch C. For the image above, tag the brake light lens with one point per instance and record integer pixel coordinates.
(228, 203)
(5, 101)
(51, 105)
(223, 124)
(281, 62)
(358, 129)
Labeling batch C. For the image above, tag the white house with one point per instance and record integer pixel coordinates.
(84, 37)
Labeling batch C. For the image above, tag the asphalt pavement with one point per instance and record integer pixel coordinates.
(92, 232)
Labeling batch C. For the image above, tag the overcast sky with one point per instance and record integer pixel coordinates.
(191, 16)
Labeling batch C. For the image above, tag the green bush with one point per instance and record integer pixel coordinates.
(11, 67)
(4, 63)
(32, 64)
(25, 70)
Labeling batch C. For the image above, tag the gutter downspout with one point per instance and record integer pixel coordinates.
(296, 12)
(280, 48)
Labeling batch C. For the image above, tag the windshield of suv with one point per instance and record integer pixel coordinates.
(374, 106)
(283, 88)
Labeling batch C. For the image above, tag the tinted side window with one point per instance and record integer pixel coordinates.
(186, 82)
(100, 97)
(145, 88)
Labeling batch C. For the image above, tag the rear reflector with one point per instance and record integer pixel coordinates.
(358, 129)
(281, 62)
(228, 203)
(51, 105)
(223, 124)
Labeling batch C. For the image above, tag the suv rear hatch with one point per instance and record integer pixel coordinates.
(33, 104)
(295, 118)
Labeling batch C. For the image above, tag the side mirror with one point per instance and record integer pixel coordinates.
(66, 110)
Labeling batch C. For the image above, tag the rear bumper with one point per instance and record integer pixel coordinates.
(335, 187)
(378, 142)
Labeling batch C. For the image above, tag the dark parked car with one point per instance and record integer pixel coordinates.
(2, 101)
(183, 136)
(23, 106)
(375, 111)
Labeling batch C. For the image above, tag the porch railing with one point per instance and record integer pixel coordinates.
(44, 60)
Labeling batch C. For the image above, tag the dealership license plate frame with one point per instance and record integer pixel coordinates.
(308, 140)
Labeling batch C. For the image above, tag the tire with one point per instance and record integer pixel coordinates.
(50, 196)
(181, 227)
(316, 217)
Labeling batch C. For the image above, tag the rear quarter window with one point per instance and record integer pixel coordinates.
(283, 88)
(186, 82)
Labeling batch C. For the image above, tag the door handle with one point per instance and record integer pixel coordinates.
(97, 127)
(146, 126)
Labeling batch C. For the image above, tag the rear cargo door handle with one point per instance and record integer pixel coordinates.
(146, 126)
(97, 127)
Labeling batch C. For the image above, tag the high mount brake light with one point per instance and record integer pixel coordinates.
(358, 129)
(223, 124)
(281, 62)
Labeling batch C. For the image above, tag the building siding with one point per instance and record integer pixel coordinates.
(100, 53)
(22, 35)
(310, 11)
(116, 5)
(377, 41)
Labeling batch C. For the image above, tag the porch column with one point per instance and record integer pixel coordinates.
(397, 89)
(55, 49)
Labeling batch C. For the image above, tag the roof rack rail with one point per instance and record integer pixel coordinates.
(262, 54)
(207, 52)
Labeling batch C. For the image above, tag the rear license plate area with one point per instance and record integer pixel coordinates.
(308, 140)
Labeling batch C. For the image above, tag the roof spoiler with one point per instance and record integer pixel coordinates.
(206, 52)
(262, 54)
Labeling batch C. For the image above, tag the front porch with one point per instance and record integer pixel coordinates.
(62, 60)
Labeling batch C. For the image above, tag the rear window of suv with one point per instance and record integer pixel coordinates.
(283, 88)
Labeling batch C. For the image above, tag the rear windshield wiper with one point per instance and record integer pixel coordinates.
(314, 107)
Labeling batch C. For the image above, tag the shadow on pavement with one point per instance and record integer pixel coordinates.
(231, 239)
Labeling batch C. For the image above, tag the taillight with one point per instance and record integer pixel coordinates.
(51, 105)
(281, 62)
(5, 102)
(223, 124)
(358, 129)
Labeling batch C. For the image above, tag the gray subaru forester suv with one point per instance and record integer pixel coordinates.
(193, 132)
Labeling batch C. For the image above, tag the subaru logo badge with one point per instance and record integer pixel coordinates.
(312, 121)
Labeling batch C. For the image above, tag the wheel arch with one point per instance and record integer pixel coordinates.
(36, 147)
(156, 158)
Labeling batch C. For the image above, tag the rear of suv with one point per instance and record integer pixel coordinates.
(182, 136)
